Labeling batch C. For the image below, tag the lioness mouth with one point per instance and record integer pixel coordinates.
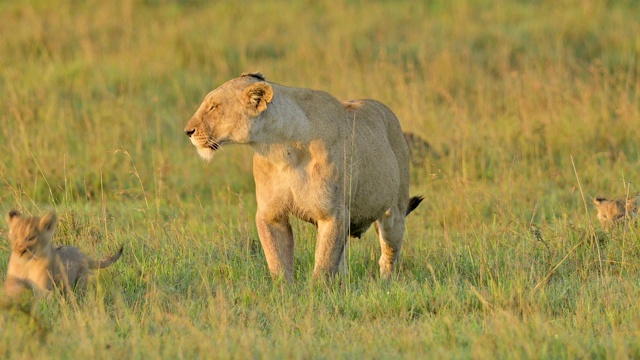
(212, 144)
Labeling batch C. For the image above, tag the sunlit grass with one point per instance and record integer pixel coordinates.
(520, 100)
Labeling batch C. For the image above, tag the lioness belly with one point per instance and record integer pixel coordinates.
(357, 229)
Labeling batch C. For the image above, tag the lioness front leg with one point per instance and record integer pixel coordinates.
(329, 249)
(276, 238)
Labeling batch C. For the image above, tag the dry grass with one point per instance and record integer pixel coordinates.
(533, 108)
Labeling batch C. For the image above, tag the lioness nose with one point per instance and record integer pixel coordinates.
(189, 132)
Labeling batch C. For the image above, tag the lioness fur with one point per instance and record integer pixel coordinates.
(35, 263)
(616, 211)
(341, 166)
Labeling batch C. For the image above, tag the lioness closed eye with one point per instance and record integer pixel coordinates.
(341, 166)
(34, 262)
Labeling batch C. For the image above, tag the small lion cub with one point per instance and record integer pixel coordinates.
(615, 211)
(35, 263)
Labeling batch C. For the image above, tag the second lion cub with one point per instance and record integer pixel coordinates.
(35, 263)
(615, 211)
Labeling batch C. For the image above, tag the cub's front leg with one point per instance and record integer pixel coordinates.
(14, 287)
(276, 238)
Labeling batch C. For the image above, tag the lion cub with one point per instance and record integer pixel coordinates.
(35, 263)
(615, 211)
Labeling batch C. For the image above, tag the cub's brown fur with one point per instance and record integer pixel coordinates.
(611, 212)
(34, 262)
(339, 165)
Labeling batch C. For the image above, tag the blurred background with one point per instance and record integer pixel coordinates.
(96, 94)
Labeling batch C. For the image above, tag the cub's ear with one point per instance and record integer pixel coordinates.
(12, 216)
(257, 96)
(599, 200)
(48, 222)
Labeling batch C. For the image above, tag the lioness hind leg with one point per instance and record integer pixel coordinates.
(390, 230)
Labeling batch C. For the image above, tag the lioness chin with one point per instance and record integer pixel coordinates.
(36, 264)
(339, 165)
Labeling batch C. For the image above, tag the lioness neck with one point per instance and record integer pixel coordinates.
(283, 121)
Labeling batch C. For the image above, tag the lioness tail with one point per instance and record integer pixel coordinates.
(413, 203)
(101, 264)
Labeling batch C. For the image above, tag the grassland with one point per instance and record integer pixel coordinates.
(532, 106)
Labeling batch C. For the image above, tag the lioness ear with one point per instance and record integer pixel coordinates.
(48, 222)
(599, 200)
(258, 95)
(12, 216)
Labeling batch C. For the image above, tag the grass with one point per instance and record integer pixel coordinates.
(528, 104)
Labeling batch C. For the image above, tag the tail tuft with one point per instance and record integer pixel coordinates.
(413, 203)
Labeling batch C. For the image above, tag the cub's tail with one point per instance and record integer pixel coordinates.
(101, 264)
(413, 203)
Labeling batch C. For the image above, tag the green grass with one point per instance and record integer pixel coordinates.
(530, 104)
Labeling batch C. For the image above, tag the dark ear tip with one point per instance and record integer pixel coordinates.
(52, 215)
(13, 213)
(48, 221)
(255, 74)
(599, 199)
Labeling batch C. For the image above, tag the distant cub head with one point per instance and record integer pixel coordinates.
(30, 236)
(614, 211)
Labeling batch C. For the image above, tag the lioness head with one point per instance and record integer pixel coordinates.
(227, 113)
(30, 236)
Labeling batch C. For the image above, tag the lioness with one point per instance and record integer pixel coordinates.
(35, 263)
(340, 166)
(615, 211)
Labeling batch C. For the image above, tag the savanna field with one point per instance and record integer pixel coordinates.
(531, 109)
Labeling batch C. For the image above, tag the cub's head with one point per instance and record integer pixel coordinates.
(30, 236)
(612, 211)
(227, 114)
